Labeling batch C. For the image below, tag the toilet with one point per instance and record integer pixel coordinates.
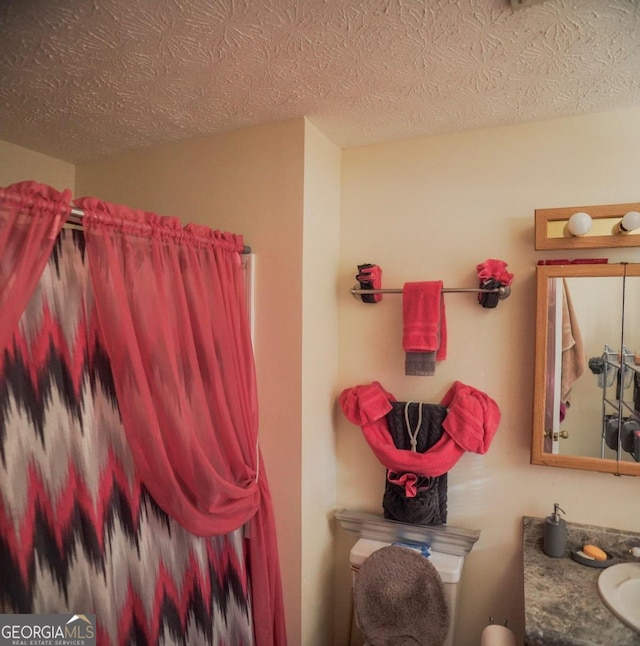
(449, 568)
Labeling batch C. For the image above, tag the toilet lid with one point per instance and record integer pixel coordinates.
(399, 598)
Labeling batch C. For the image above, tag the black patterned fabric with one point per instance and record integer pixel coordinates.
(429, 506)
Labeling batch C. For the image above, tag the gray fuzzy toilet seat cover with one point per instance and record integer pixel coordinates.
(399, 599)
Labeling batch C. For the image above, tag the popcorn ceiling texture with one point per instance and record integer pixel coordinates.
(79, 80)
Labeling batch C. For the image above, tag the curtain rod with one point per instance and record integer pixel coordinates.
(76, 215)
(503, 292)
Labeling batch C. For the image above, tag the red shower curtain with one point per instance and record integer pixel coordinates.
(31, 216)
(171, 310)
(79, 532)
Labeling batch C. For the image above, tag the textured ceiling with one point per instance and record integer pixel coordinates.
(80, 79)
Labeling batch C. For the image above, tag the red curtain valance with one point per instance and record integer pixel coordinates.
(31, 216)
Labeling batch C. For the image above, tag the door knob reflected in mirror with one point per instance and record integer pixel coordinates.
(556, 436)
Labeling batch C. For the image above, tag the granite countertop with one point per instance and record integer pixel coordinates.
(561, 599)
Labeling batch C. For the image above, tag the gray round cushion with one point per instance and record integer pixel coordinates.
(399, 599)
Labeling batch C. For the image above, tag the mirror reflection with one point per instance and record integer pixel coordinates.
(587, 386)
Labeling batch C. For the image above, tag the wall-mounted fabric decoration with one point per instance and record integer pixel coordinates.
(470, 424)
(493, 276)
(408, 497)
(370, 278)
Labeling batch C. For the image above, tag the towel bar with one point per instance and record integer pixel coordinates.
(503, 291)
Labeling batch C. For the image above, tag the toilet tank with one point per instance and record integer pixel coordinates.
(449, 568)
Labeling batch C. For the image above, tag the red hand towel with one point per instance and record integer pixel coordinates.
(424, 323)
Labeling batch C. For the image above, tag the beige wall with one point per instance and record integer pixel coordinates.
(249, 181)
(433, 208)
(18, 164)
(319, 376)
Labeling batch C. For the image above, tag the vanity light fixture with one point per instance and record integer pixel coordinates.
(588, 227)
(630, 222)
(579, 224)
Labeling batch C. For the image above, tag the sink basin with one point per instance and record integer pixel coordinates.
(619, 587)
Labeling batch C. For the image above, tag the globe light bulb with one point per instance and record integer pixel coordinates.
(630, 222)
(579, 224)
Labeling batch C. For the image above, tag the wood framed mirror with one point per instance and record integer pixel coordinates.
(587, 368)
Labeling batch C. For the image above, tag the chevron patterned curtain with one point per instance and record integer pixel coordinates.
(79, 532)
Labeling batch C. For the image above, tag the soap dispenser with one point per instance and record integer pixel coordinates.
(555, 533)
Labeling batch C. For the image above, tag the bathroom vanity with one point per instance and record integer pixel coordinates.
(562, 603)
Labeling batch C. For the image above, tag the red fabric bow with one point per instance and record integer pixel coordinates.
(496, 269)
